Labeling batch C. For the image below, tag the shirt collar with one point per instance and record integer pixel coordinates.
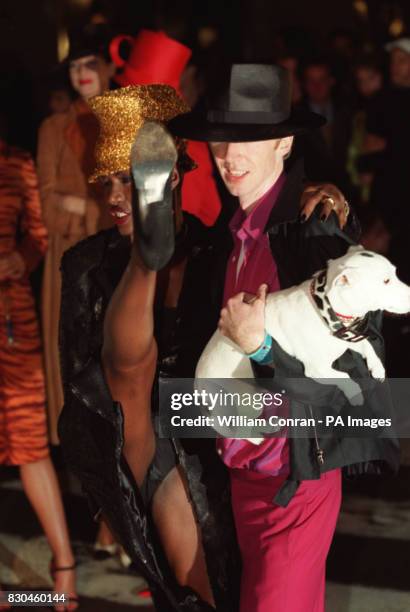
(253, 225)
(287, 206)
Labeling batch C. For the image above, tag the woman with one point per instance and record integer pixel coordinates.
(23, 426)
(167, 503)
(100, 278)
(70, 207)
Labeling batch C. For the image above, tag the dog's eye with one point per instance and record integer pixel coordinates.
(387, 281)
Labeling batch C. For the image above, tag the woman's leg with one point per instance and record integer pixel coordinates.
(104, 535)
(180, 535)
(129, 320)
(42, 489)
(129, 358)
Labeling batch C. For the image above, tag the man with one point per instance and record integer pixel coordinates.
(387, 143)
(325, 150)
(388, 133)
(291, 62)
(285, 493)
(383, 127)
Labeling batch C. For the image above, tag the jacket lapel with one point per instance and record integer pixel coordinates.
(89, 385)
(107, 274)
(287, 207)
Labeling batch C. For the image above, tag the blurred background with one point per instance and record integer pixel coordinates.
(34, 35)
(340, 66)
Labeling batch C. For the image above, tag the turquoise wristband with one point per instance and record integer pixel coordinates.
(264, 353)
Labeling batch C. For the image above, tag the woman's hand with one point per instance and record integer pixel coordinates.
(12, 266)
(331, 199)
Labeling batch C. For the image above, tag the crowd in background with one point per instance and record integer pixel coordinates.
(360, 88)
(363, 91)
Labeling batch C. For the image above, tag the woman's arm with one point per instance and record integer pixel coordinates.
(47, 159)
(34, 243)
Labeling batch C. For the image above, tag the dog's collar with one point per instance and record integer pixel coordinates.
(354, 332)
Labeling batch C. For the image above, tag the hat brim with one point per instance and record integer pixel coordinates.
(130, 77)
(195, 126)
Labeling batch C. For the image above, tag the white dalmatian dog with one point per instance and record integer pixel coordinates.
(318, 320)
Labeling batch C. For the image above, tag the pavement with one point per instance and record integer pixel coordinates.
(368, 566)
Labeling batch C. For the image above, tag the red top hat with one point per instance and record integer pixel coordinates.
(154, 58)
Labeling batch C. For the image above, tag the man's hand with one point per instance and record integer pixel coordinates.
(12, 266)
(331, 199)
(243, 320)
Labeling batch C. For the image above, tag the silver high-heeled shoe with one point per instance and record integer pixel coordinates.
(153, 158)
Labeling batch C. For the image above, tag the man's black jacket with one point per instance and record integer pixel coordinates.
(299, 250)
(92, 438)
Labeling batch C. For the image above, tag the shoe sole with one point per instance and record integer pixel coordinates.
(153, 158)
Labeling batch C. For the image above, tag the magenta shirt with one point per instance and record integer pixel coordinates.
(257, 266)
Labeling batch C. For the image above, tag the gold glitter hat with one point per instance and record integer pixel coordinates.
(121, 113)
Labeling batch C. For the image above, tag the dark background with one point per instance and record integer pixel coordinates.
(245, 30)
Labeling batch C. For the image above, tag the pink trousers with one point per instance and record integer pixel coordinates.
(284, 550)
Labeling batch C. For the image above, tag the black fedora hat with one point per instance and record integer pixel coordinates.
(255, 106)
(91, 39)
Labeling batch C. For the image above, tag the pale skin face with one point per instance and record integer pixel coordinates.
(250, 169)
(318, 83)
(400, 68)
(90, 75)
(368, 81)
(117, 197)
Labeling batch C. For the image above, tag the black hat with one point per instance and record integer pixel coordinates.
(92, 39)
(256, 106)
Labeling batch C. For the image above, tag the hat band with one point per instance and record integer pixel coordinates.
(221, 116)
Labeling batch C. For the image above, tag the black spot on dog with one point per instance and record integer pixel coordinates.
(367, 254)
(321, 288)
(319, 302)
(332, 315)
